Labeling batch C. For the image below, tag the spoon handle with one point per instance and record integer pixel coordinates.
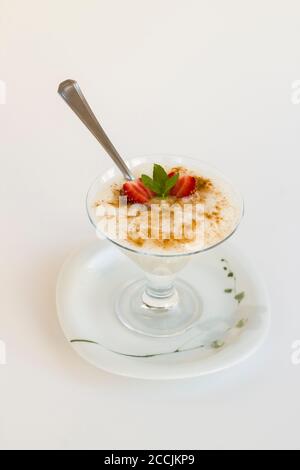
(70, 91)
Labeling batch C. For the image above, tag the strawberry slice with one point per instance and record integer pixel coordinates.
(184, 187)
(137, 192)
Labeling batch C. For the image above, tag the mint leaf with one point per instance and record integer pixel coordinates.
(161, 184)
(170, 183)
(149, 183)
(160, 175)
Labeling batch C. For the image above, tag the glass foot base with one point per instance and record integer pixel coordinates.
(136, 315)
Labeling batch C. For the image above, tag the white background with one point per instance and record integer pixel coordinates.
(210, 79)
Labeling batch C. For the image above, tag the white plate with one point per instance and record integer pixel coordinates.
(230, 330)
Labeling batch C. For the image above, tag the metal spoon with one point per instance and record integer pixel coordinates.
(70, 91)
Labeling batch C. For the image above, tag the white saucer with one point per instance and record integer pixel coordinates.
(234, 323)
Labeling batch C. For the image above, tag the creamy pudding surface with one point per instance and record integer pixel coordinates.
(200, 211)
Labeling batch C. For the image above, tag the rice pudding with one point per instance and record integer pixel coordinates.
(167, 210)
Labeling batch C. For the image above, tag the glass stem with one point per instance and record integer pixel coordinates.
(160, 292)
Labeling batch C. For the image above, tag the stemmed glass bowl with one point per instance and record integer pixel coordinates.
(160, 304)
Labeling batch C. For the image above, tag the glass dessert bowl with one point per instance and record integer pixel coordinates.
(176, 208)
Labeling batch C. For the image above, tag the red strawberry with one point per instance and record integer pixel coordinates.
(184, 187)
(137, 192)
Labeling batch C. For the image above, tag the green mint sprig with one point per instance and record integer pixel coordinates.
(161, 184)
